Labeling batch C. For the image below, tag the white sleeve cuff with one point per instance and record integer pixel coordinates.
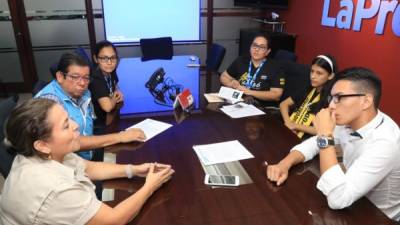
(308, 148)
(332, 178)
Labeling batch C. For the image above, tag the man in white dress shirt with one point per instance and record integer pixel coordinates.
(370, 141)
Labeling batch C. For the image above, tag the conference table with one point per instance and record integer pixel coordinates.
(185, 199)
(133, 73)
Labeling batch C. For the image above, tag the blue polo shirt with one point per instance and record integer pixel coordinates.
(80, 110)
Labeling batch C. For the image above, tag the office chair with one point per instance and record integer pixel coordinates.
(3, 89)
(215, 57)
(285, 55)
(53, 70)
(156, 48)
(213, 62)
(82, 53)
(6, 159)
(297, 78)
(39, 85)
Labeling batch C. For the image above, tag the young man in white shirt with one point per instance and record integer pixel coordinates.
(370, 141)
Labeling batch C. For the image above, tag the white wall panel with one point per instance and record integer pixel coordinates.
(197, 50)
(222, 3)
(43, 61)
(10, 68)
(96, 4)
(54, 5)
(99, 29)
(228, 27)
(129, 51)
(7, 39)
(58, 32)
(4, 5)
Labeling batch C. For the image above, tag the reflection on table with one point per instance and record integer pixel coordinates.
(185, 199)
(133, 74)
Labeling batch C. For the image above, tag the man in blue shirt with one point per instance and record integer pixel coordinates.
(70, 89)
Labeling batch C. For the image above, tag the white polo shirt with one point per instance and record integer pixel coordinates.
(371, 158)
(41, 191)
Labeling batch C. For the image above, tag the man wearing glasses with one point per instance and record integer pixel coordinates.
(70, 89)
(260, 79)
(370, 141)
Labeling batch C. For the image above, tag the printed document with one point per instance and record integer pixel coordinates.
(151, 127)
(230, 94)
(213, 97)
(240, 110)
(221, 152)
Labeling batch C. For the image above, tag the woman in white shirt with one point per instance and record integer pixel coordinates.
(48, 184)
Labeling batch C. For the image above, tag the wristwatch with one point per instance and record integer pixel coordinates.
(324, 142)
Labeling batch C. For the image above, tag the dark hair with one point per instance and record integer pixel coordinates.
(69, 59)
(323, 63)
(365, 80)
(326, 89)
(103, 44)
(26, 124)
(266, 37)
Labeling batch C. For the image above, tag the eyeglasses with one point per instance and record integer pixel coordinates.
(258, 47)
(106, 59)
(336, 98)
(76, 78)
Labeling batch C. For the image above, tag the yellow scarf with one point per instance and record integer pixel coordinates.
(302, 115)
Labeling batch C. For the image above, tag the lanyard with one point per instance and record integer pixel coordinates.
(303, 115)
(251, 79)
(305, 107)
(109, 83)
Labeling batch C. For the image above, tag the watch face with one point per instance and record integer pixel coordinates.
(322, 142)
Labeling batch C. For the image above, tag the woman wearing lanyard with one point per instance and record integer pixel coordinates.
(104, 89)
(306, 105)
(260, 78)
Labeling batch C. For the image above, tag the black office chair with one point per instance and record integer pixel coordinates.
(297, 78)
(53, 70)
(285, 55)
(156, 48)
(81, 52)
(6, 159)
(3, 89)
(39, 85)
(215, 57)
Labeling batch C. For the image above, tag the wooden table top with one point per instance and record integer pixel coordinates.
(185, 199)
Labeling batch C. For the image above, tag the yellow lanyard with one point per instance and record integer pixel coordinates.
(303, 115)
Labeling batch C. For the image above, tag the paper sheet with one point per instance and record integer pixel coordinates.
(213, 97)
(230, 94)
(240, 110)
(151, 127)
(221, 152)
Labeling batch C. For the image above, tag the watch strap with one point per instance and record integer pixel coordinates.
(331, 141)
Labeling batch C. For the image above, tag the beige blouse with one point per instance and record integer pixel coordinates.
(40, 191)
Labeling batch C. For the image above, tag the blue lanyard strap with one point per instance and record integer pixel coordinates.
(251, 79)
(109, 83)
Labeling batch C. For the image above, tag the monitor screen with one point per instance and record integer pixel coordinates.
(130, 20)
(270, 4)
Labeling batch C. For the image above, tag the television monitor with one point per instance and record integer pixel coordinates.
(128, 21)
(267, 4)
